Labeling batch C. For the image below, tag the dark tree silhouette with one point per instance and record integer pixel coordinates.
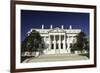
(82, 42)
(33, 42)
(23, 45)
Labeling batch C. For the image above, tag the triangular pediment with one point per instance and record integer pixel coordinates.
(57, 29)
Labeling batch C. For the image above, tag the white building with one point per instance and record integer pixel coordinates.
(58, 40)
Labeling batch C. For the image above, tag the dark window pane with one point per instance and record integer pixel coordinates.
(57, 46)
(52, 46)
(61, 45)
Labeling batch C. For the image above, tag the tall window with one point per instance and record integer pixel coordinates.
(57, 37)
(57, 46)
(62, 37)
(66, 46)
(52, 46)
(52, 37)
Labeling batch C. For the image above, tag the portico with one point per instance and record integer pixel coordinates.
(57, 40)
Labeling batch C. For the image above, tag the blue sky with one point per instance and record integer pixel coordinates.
(35, 19)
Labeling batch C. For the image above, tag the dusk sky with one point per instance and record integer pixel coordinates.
(35, 19)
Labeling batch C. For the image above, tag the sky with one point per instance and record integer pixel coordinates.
(35, 19)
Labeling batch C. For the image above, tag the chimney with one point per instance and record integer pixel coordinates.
(50, 26)
(62, 27)
(70, 27)
(42, 26)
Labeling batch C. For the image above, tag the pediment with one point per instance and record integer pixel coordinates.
(57, 30)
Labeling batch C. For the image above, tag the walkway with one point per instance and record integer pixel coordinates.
(55, 57)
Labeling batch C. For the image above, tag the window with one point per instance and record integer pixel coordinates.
(74, 40)
(52, 37)
(57, 46)
(62, 37)
(66, 46)
(57, 37)
(71, 45)
(52, 46)
(61, 45)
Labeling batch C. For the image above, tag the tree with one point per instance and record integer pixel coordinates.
(33, 42)
(86, 46)
(23, 45)
(81, 42)
(73, 47)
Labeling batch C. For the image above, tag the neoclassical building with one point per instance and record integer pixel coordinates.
(58, 40)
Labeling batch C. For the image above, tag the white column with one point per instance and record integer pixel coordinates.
(59, 41)
(68, 44)
(44, 38)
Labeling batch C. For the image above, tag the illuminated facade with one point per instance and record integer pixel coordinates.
(58, 40)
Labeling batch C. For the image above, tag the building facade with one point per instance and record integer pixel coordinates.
(58, 40)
